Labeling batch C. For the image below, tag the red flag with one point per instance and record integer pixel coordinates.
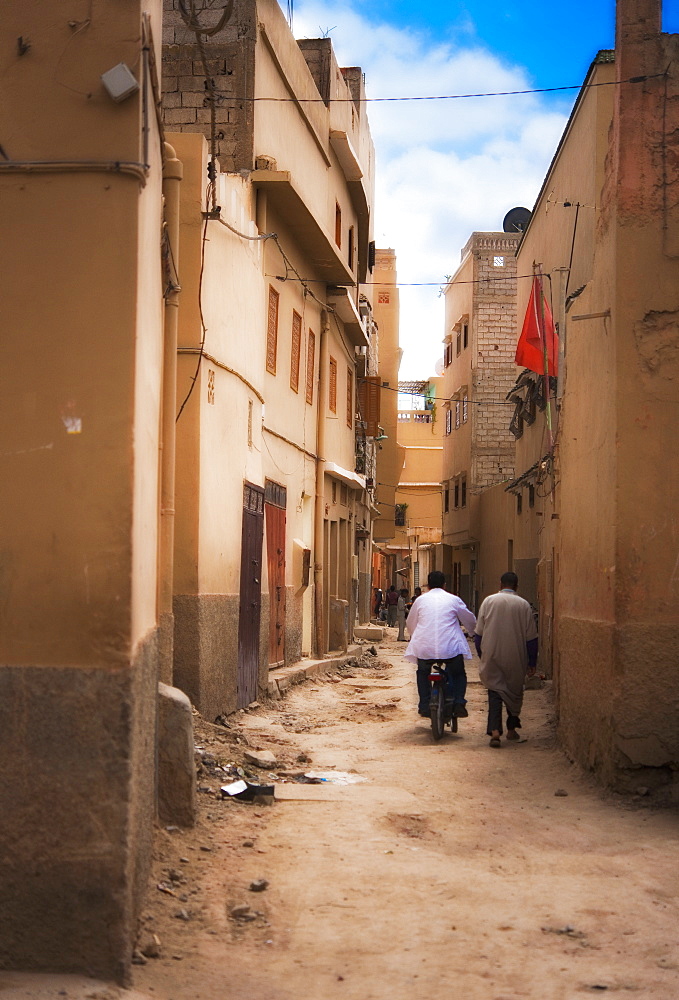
(530, 349)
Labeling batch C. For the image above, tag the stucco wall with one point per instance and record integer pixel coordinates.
(82, 299)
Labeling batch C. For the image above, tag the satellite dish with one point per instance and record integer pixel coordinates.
(438, 367)
(516, 220)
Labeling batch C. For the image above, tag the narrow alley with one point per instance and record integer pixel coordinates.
(452, 868)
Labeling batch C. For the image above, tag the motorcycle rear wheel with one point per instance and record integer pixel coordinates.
(436, 708)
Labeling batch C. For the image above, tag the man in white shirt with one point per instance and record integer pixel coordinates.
(435, 634)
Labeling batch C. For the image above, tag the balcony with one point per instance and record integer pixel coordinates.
(303, 226)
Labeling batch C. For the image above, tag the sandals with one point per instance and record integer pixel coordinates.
(513, 735)
(495, 741)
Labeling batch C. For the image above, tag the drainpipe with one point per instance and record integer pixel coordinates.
(172, 175)
(319, 519)
(564, 275)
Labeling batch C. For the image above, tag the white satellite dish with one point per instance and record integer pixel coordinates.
(439, 366)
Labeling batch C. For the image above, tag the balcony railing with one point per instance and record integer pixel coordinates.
(416, 416)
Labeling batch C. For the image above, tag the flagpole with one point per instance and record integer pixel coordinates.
(537, 271)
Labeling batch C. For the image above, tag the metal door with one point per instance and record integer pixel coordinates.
(276, 498)
(250, 594)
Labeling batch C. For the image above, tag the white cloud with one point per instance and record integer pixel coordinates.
(445, 168)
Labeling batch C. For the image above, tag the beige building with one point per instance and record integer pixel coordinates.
(84, 321)
(273, 537)
(591, 498)
(248, 348)
(418, 495)
(478, 448)
(606, 228)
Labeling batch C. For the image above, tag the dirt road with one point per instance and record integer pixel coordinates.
(453, 870)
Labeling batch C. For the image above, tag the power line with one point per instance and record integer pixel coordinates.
(455, 97)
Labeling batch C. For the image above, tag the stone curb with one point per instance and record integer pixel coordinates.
(296, 673)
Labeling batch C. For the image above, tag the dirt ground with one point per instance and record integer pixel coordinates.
(454, 869)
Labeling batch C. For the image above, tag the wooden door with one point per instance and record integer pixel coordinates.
(250, 594)
(276, 499)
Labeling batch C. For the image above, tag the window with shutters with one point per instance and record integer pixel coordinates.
(310, 358)
(350, 248)
(465, 408)
(369, 403)
(295, 349)
(332, 386)
(272, 331)
(449, 420)
(463, 491)
(338, 225)
(350, 397)
(458, 406)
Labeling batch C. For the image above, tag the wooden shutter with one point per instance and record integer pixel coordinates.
(272, 331)
(310, 355)
(369, 403)
(350, 397)
(332, 387)
(295, 349)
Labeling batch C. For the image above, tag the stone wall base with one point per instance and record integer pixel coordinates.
(77, 787)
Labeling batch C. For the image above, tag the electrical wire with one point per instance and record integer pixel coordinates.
(411, 284)
(457, 97)
(202, 321)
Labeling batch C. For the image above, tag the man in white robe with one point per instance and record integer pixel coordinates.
(506, 641)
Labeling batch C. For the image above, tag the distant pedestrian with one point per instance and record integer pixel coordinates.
(401, 609)
(377, 601)
(391, 601)
(506, 641)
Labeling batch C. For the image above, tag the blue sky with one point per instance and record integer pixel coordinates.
(448, 168)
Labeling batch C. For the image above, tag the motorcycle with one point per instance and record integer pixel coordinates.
(441, 708)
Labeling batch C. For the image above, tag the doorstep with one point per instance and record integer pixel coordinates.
(283, 678)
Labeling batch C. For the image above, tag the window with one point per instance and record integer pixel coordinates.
(400, 515)
(456, 494)
(369, 389)
(531, 496)
(310, 353)
(458, 342)
(295, 350)
(350, 248)
(334, 491)
(446, 500)
(449, 420)
(272, 331)
(463, 491)
(498, 262)
(332, 386)
(465, 408)
(465, 335)
(458, 406)
(448, 355)
(519, 503)
(350, 397)
(338, 225)
(383, 298)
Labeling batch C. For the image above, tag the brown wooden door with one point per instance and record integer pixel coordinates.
(276, 498)
(250, 594)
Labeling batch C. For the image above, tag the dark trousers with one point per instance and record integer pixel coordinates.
(456, 677)
(495, 704)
